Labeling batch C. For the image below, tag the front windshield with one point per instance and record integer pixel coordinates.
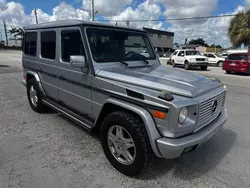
(193, 53)
(115, 45)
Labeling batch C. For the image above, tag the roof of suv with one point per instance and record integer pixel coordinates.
(69, 23)
(186, 50)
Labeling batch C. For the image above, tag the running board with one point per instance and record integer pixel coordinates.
(69, 114)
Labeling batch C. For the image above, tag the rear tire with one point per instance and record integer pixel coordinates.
(204, 68)
(114, 150)
(220, 64)
(187, 65)
(35, 96)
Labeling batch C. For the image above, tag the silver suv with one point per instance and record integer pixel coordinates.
(95, 75)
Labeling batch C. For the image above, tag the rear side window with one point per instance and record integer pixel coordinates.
(237, 57)
(30, 43)
(71, 44)
(181, 53)
(48, 44)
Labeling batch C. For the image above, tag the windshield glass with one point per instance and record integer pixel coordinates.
(193, 53)
(115, 45)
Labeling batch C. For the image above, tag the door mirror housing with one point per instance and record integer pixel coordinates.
(182, 55)
(78, 61)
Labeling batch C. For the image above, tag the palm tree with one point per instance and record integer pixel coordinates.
(239, 31)
(16, 31)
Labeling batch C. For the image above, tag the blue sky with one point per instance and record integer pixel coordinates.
(214, 31)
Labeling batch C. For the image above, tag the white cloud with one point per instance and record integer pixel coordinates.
(107, 7)
(213, 31)
(14, 13)
(145, 11)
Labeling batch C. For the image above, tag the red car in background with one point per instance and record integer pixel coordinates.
(237, 63)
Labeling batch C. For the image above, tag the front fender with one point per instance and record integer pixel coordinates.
(147, 119)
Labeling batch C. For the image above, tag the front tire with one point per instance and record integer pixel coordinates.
(125, 143)
(35, 96)
(173, 63)
(228, 72)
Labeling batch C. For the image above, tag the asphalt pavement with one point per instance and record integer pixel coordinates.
(48, 151)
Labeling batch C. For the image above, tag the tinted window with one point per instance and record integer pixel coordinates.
(71, 44)
(192, 53)
(180, 53)
(175, 53)
(237, 57)
(30, 39)
(210, 55)
(118, 45)
(48, 44)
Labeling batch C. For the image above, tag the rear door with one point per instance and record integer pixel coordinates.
(48, 61)
(211, 58)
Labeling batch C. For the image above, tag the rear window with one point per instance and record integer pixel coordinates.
(237, 57)
(30, 39)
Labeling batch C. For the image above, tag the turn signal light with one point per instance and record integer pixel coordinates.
(159, 114)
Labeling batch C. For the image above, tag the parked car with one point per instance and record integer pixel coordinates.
(214, 59)
(140, 108)
(236, 63)
(189, 58)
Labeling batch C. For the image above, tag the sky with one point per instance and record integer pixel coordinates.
(213, 31)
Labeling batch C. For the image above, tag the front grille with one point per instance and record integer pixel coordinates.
(207, 112)
(200, 59)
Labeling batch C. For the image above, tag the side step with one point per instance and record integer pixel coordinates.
(69, 114)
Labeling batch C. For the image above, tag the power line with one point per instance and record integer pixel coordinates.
(175, 19)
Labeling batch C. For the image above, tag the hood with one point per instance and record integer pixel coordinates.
(161, 78)
(196, 56)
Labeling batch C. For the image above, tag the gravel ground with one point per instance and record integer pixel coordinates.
(47, 150)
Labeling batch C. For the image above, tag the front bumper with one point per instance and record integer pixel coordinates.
(173, 148)
(198, 64)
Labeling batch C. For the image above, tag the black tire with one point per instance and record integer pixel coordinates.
(187, 65)
(40, 107)
(220, 64)
(204, 68)
(173, 63)
(228, 72)
(134, 126)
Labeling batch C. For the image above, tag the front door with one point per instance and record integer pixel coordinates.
(211, 58)
(180, 57)
(73, 83)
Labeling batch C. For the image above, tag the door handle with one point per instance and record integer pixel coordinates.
(61, 77)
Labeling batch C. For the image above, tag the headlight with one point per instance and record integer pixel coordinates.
(192, 59)
(183, 114)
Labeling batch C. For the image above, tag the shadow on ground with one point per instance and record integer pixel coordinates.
(199, 162)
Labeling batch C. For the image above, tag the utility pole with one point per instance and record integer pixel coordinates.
(6, 37)
(36, 16)
(92, 10)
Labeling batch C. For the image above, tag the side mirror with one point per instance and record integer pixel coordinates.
(182, 55)
(78, 61)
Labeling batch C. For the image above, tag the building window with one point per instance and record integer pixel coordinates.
(71, 44)
(30, 39)
(48, 44)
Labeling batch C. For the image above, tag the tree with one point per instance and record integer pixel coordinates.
(16, 31)
(238, 30)
(199, 41)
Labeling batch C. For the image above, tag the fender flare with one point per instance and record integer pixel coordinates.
(147, 119)
(37, 77)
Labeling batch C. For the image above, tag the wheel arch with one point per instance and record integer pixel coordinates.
(32, 74)
(112, 104)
